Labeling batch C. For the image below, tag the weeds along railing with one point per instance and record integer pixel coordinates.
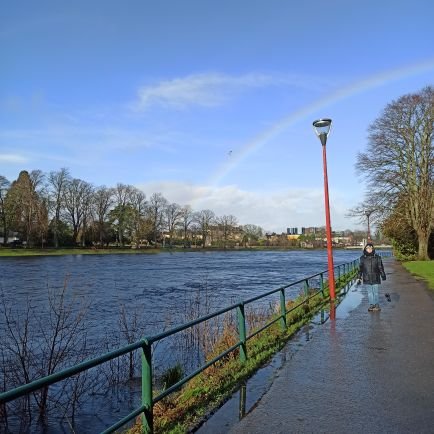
(342, 271)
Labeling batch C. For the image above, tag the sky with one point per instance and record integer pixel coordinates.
(210, 103)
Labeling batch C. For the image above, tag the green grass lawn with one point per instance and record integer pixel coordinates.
(423, 269)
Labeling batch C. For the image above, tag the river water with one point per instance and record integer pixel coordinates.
(158, 288)
(157, 283)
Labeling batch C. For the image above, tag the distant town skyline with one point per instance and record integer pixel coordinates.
(209, 104)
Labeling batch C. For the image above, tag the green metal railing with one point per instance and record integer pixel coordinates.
(346, 270)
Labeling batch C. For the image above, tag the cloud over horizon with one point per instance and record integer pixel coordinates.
(13, 158)
(272, 211)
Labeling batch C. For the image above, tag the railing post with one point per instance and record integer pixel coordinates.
(321, 283)
(306, 295)
(282, 309)
(242, 331)
(346, 277)
(147, 417)
(339, 273)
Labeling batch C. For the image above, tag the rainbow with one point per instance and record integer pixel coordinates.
(360, 86)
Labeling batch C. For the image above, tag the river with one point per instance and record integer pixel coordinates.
(158, 288)
(157, 283)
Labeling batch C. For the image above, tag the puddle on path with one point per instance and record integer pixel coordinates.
(353, 298)
(247, 397)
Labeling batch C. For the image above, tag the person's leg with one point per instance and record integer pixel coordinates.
(375, 294)
(375, 298)
(370, 295)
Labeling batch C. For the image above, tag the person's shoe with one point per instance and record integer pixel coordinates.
(377, 308)
(371, 308)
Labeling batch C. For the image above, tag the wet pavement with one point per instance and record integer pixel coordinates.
(364, 372)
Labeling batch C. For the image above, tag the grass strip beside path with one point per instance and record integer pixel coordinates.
(422, 269)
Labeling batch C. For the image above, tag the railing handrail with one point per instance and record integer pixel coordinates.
(147, 342)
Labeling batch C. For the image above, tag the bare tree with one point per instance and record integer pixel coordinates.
(57, 182)
(36, 344)
(155, 212)
(102, 202)
(77, 204)
(367, 214)
(399, 163)
(187, 218)
(122, 194)
(138, 204)
(252, 233)
(37, 179)
(226, 224)
(204, 219)
(87, 212)
(173, 215)
(131, 329)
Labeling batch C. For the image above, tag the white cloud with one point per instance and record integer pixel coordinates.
(12, 158)
(274, 211)
(211, 89)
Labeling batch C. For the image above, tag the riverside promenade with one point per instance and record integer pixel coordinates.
(362, 373)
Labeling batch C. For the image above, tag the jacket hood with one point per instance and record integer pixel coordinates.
(371, 253)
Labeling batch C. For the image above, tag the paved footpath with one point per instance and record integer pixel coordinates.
(362, 373)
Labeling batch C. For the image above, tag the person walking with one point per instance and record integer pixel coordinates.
(371, 272)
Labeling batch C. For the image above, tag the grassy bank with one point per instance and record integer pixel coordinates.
(8, 252)
(184, 410)
(422, 269)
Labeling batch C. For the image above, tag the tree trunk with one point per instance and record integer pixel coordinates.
(101, 226)
(422, 254)
(5, 232)
(185, 238)
(56, 237)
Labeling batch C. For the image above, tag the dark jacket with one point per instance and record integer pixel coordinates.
(371, 268)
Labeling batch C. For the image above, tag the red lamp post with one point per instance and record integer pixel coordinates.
(368, 235)
(322, 130)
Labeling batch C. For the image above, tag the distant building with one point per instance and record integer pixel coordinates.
(292, 237)
(12, 238)
(291, 231)
(310, 230)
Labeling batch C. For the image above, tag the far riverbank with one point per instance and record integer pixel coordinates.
(22, 252)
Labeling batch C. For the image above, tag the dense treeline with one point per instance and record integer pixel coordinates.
(57, 210)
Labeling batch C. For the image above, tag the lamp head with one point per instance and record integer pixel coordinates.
(322, 129)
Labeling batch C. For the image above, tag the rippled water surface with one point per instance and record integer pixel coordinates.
(158, 283)
(159, 286)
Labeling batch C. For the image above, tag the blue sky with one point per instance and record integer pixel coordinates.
(210, 103)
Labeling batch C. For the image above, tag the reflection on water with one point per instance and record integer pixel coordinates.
(161, 290)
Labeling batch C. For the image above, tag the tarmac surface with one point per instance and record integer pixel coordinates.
(364, 372)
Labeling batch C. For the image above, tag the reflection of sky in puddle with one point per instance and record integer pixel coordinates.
(245, 399)
(353, 298)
